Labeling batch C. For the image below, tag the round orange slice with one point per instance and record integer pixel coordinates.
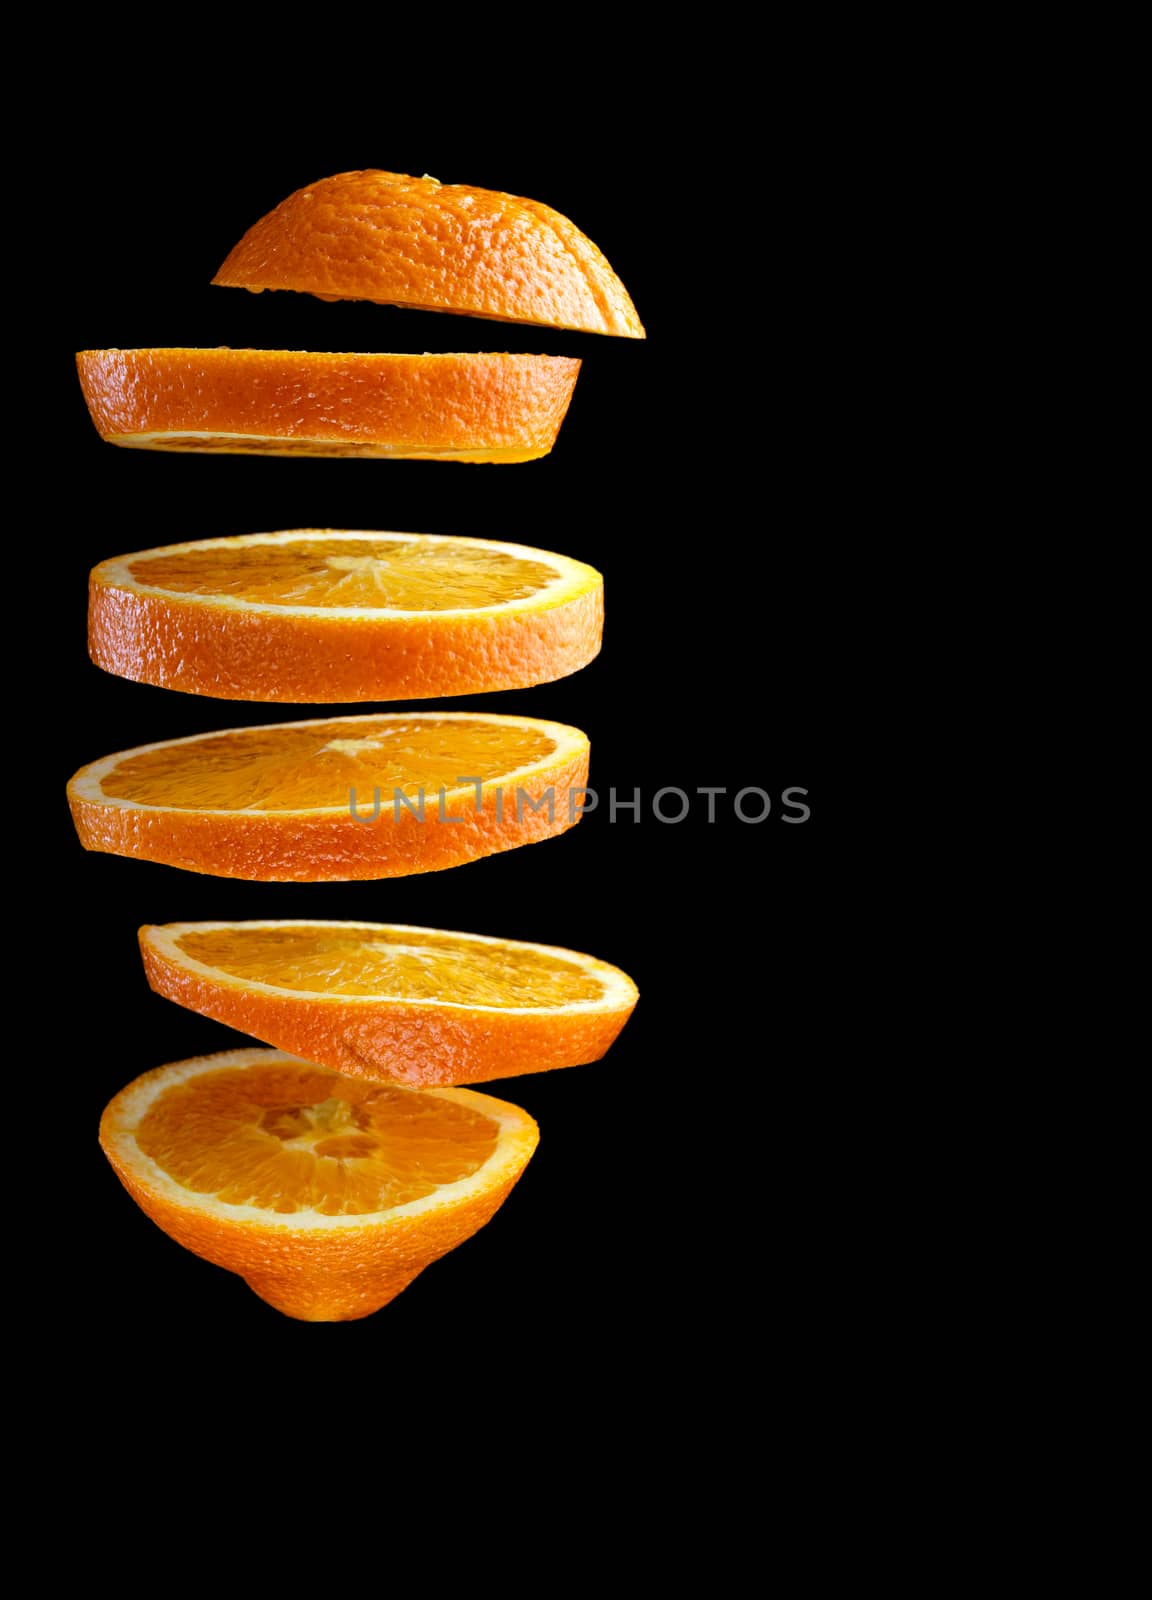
(337, 797)
(444, 247)
(316, 615)
(327, 1195)
(383, 1001)
(304, 403)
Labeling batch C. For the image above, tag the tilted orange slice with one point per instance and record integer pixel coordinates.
(338, 797)
(444, 247)
(384, 1001)
(316, 615)
(327, 1195)
(307, 403)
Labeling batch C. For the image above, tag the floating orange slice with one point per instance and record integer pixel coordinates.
(327, 1195)
(378, 1000)
(444, 247)
(336, 798)
(304, 403)
(316, 615)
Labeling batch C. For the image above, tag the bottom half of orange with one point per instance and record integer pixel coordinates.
(328, 1195)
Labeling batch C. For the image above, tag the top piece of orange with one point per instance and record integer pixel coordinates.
(442, 247)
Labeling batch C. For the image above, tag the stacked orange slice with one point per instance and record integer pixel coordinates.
(336, 798)
(496, 408)
(378, 1000)
(316, 615)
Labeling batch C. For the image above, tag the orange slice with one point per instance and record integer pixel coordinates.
(444, 247)
(338, 797)
(316, 615)
(327, 1195)
(383, 1001)
(304, 403)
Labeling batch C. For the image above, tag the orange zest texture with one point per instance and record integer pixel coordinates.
(327, 1195)
(389, 1002)
(336, 798)
(316, 615)
(293, 402)
(443, 247)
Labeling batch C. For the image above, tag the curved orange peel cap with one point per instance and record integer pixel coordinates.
(405, 241)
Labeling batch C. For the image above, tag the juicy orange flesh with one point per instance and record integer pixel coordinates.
(286, 769)
(299, 1138)
(401, 964)
(399, 574)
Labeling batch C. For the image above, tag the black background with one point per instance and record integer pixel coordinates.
(673, 1179)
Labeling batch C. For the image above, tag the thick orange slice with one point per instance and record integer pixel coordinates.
(383, 1001)
(327, 1195)
(316, 615)
(304, 403)
(444, 247)
(336, 798)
